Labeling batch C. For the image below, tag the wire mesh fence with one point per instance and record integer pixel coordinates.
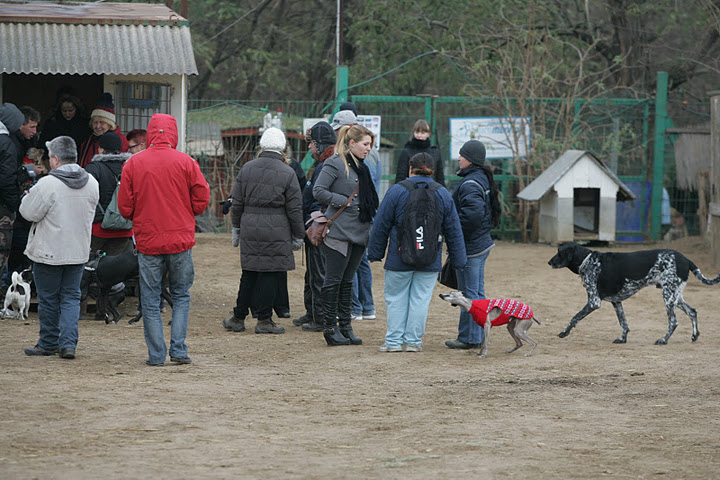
(223, 134)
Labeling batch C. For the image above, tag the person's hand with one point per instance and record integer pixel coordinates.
(297, 244)
(235, 237)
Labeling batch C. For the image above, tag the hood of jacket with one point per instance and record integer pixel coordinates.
(162, 130)
(71, 174)
(111, 157)
(11, 117)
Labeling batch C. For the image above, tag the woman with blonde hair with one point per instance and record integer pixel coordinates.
(420, 143)
(345, 180)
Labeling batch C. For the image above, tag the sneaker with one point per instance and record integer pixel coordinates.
(38, 351)
(181, 360)
(385, 349)
(147, 362)
(368, 316)
(458, 345)
(283, 314)
(356, 316)
(235, 324)
(67, 353)
(268, 326)
(413, 348)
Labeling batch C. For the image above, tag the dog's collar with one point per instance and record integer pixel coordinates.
(585, 261)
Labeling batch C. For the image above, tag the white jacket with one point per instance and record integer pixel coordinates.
(62, 207)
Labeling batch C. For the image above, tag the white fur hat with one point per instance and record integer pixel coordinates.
(273, 139)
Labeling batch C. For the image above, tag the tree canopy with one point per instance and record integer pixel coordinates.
(281, 49)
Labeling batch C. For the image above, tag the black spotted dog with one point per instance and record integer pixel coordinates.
(614, 277)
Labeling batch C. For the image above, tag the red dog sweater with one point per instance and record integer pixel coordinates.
(509, 308)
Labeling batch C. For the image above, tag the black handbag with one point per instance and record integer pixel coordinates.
(448, 277)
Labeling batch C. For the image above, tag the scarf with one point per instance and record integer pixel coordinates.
(366, 193)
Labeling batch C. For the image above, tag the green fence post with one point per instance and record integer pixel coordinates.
(341, 86)
(658, 155)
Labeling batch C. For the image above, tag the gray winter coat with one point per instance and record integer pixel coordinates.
(267, 207)
(333, 187)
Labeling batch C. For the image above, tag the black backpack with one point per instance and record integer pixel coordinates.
(419, 236)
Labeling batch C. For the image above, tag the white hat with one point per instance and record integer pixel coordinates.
(273, 139)
(342, 118)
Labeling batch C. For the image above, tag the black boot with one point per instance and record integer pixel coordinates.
(345, 313)
(331, 332)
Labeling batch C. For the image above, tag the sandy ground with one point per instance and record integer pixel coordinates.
(262, 406)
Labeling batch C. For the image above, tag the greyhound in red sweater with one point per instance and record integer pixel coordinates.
(494, 312)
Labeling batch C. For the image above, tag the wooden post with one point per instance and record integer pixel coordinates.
(715, 177)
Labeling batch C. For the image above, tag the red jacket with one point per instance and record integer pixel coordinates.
(509, 308)
(161, 191)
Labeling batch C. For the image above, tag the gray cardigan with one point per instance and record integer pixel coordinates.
(333, 187)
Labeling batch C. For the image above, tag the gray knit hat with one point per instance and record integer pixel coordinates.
(474, 152)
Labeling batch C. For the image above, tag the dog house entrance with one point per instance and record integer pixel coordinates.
(586, 212)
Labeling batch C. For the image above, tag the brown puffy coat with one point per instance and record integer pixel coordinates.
(267, 207)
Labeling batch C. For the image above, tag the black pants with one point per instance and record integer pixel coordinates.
(316, 277)
(339, 269)
(258, 289)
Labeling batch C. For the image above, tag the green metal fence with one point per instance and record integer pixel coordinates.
(222, 134)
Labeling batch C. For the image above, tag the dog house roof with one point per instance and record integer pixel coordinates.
(547, 179)
(94, 38)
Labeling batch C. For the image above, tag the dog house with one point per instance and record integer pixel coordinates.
(578, 197)
(140, 53)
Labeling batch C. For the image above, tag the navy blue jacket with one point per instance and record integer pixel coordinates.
(472, 201)
(390, 216)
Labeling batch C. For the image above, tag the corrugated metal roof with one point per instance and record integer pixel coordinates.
(90, 13)
(53, 48)
(547, 179)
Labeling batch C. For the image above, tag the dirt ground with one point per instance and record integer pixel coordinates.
(263, 406)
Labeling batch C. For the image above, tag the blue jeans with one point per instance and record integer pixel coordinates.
(58, 292)
(407, 298)
(362, 302)
(471, 282)
(181, 275)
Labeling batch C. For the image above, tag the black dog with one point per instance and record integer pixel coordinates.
(616, 276)
(106, 271)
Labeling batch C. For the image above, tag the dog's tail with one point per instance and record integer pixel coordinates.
(537, 320)
(698, 274)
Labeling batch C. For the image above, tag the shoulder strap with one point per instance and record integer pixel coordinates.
(116, 177)
(408, 184)
(485, 192)
(349, 201)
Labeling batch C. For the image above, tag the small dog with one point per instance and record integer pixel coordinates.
(494, 312)
(614, 277)
(17, 297)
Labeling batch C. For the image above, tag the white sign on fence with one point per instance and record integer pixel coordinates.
(495, 132)
(371, 122)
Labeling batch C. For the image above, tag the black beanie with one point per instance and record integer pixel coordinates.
(349, 106)
(474, 152)
(110, 142)
(323, 134)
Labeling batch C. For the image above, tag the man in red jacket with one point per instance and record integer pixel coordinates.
(162, 190)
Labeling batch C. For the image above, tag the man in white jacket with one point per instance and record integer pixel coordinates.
(61, 206)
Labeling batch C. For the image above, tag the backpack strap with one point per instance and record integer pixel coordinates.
(485, 193)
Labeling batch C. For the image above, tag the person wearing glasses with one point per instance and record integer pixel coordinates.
(136, 140)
